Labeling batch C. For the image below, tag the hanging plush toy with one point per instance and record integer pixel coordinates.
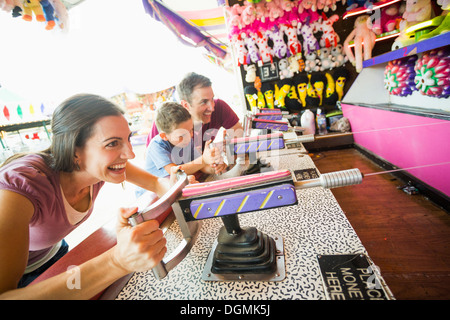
(265, 51)
(433, 73)
(61, 14)
(311, 62)
(399, 76)
(338, 55)
(30, 7)
(293, 44)
(389, 19)
(279, 46)
(363, 39)
(326, 59)
(416, 11)
(251, 73)
(329, 37)
(253, 51)
(292, 100)
(268, 90)
(49, 14)
(241, 50)
(285, 72)
(310, 42)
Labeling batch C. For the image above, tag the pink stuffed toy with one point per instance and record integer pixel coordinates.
(329, 37)
(308, 4)
(234, 16)
(363, 38)
(248, 15)
(388, 21)
(274, 10)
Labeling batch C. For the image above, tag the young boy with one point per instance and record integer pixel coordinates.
(174, 145)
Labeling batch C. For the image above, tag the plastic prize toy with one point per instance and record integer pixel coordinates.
(399, 76)
(433, 73)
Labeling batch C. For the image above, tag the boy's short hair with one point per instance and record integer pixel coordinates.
(169, 115)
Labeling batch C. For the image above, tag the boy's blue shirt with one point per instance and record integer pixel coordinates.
(160, 153)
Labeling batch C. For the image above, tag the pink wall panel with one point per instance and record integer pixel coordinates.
(405, 141)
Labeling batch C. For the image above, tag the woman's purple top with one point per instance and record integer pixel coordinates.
(32, 178)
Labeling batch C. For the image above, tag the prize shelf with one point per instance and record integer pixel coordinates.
(418, 47)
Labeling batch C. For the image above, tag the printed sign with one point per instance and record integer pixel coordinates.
(268, 72)
(350, 277)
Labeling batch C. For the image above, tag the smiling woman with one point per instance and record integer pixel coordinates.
(54, 191)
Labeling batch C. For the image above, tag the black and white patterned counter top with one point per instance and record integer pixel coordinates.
(316, 226)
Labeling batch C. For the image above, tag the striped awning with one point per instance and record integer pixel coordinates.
(195, 27)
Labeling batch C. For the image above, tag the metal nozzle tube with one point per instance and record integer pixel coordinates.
(332, 180)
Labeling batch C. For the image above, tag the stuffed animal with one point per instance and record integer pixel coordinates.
(340, 78)
(261, 101)
(268, 90)
(301, 82)
(274, 10)
(279, 46)
(49, 14)
(30, 7)
(251, 94)
(234, 16)
(310, 42)
(292, 101)
(319, 82)
(13, 6)
(248, 15)
(61, 14)
(416, 11)
(363, 38)
(265, 51)
(330, 96)
(253, 51)
(312, 100)
(285, 72)
(389, 18)
(338, 55)
(241, 50)
(309, 4)
(281, 90)
(326, 59)
(311, 62)
(352, 4)
(294, 45)
(251, 73)
(294, 65)
(329, 37)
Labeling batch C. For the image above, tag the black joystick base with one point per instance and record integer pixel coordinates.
(243, 251)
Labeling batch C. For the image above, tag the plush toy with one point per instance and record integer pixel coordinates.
(399, 76)
(329, 37)
(364, 40)
(261, 101)
(319, 82)
(312, 100)
(281, 90)
(326, 59)
(253, 51)
(268, 90)
(293, 44)
(61, 14)
(433, 73)
(309, 5)
(265, 51)
(330, 96)
(279, 46)
(49, 14)
(389, 19)
(301, 83)
(416, 11)
(338, 55)
(310, 42)
(248, 15)
(274, 10)
(340, 78)
(292, 101)
(294, 65)
(352, 4)
(311, 62)
(251, 73)
(234, 16)
(251, 94)
(241, 50)
(13, 6)
(285, 72)
(30, 7)
(445, 5)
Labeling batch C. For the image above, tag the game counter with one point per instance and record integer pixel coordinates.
(312, 231)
